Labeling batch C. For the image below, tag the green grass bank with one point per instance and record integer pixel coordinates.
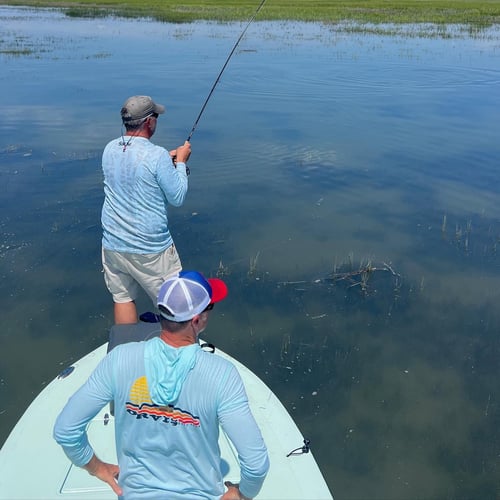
(478, 13)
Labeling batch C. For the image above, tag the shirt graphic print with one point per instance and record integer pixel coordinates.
(141, 406)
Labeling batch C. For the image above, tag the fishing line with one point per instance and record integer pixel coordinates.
(222, 70)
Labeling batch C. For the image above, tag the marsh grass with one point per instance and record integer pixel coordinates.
(16, 52)
(480, 13)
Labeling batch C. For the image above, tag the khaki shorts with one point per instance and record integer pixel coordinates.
(124, 273)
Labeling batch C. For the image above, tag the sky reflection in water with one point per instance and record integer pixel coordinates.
(320, 152)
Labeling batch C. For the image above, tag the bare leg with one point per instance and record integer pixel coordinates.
(125, 313)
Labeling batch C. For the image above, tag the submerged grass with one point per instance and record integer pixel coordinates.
(479, 13)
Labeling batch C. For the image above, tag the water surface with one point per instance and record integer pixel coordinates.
(344, 184)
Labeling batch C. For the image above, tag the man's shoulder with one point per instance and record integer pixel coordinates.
(217, 362)
(128, 349)
(159, 150)
(114, 142)
(125, 359)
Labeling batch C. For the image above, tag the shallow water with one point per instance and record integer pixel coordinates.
(344, 184)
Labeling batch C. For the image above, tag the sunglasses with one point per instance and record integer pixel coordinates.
(209, 307)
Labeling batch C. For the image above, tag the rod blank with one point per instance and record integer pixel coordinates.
(222, 70)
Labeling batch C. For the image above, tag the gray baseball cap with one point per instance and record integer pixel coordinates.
(139, 107)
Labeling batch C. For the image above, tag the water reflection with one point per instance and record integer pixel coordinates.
(321, 152)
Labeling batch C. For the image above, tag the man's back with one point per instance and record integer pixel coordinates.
(139, 181)
(169, 398)
(174, 448)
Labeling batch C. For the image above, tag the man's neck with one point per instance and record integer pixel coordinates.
(138, 133)
(179, 339)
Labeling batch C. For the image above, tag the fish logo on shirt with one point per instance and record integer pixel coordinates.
(141, 406)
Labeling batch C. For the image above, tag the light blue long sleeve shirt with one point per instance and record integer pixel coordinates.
(140, 180)
(168, 451)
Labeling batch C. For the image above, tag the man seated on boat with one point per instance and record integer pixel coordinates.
(170, 396)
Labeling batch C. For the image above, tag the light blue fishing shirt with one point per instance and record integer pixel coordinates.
(168, 451)
(140, 180)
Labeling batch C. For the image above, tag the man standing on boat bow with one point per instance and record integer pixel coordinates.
(140, 180)
(170, 397)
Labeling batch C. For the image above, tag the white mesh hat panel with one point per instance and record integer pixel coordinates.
(181, 299)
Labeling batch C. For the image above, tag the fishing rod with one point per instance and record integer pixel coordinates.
(222, 70)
